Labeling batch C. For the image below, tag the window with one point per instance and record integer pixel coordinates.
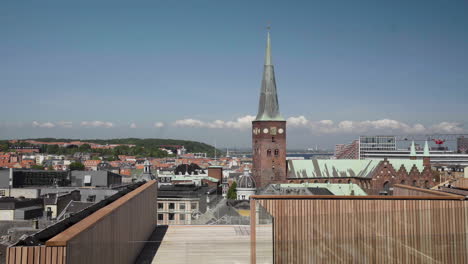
(2, 192)
(160, 205)
(193, 206)
(243, 197)
(276, 152)
(171, 206)
(160, 217)
(386, 186)
(171, 216)
(182, 206)
(273, 139)
(182, 217)
(269, 152)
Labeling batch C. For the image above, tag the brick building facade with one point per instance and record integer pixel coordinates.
(269, 151)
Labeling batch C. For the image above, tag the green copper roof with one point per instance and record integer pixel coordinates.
(344, 167)
(330, 168)
(268, 107)
(426, 150)
(412, 150)
(335, 188)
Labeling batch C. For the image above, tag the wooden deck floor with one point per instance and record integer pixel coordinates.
(206, 244)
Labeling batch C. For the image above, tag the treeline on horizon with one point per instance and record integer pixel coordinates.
(147, 147)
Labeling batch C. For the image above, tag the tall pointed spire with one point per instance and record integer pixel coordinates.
(426, 150)
(268, 51)
(412, 150)
(268, 108)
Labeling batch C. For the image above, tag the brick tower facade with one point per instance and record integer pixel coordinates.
(268, 131)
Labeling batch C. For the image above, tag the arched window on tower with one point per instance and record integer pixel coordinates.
(273, 139)
(276, 152)
(386, 187)
(269, 152)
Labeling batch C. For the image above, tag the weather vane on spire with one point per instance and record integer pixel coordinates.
(268, 26)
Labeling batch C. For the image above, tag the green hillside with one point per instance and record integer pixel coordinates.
(147, 147)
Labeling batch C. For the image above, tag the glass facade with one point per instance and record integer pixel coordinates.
(372, 143)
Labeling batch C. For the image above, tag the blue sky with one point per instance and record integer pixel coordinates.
(170, 69)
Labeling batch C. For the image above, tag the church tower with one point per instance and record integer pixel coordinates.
(268, 131)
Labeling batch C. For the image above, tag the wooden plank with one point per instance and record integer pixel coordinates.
(253, 232)
(24, 255)
(11, 254)
(30, 255)
(48, 252)
(37, 255)
(60, 255)
(54, 253)
(43, 255)
(17, 254)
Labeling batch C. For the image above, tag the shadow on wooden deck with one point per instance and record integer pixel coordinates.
(151, 246)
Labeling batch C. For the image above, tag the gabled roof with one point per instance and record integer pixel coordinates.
(408, 164)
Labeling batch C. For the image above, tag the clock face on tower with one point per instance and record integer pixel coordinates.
(281, 131)
(265, 131)
(256, 131)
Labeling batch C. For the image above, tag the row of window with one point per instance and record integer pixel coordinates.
(276, 152)
(193, 206)
(171, 217)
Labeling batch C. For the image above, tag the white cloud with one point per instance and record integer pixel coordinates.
(65, 124)
(299, 121)
(447, 127)
(159, 124)
(369, 126)
(133, 125)
(43, 125)
(240, 123)
(189, 122)
(97, 124)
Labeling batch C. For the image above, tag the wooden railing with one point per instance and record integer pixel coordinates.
(113, 234)
(364, 229)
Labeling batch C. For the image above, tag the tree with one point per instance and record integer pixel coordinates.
(50, 167)
(232, 192)
(84, 148)
(76, 166)
(4, 145)
(37, 167)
